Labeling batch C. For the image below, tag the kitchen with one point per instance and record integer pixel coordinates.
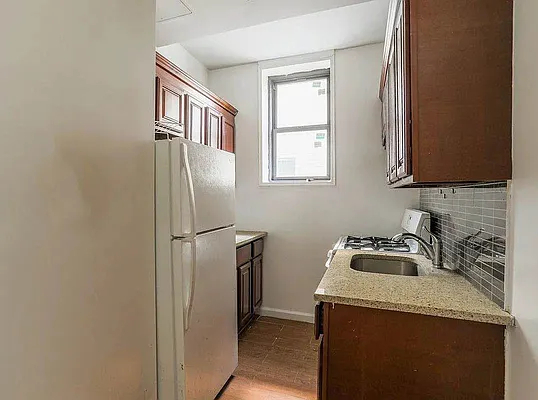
(86, 179)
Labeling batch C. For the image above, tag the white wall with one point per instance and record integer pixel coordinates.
(523, 339)
(186, 61)
(304, 222)
(76, 203)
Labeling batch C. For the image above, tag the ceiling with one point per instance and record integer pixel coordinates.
(221, 33)
(168, 10)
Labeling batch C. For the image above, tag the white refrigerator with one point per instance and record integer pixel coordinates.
(195, 269)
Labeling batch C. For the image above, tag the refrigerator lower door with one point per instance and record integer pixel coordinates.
(170, 317)
(211, 337)
(203, 178)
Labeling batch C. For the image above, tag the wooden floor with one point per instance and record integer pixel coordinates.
(277, 361)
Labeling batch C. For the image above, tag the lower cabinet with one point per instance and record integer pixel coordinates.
(257, 274)
(367, 353)
(249, 282)
(244, 300)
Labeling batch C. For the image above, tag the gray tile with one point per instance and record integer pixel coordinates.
(459, 213)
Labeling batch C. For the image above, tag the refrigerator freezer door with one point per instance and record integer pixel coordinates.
(211, 339)
(211, 174)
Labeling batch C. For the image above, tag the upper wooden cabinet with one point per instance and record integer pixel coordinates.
(169, 101)
(228, 135)
(195, 121)
(179, 99)
(446, 88)
(213, 128)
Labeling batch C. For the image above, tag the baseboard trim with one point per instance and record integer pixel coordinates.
(287, 314)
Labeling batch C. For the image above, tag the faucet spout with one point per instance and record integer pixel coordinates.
(433, 251)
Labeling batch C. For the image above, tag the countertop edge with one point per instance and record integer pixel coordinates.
(254, 235)
(507, 320)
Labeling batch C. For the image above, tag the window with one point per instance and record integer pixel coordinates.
(299, 131)
(296, 120)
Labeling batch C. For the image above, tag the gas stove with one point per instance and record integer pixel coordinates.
(373, 243)
(413, 221)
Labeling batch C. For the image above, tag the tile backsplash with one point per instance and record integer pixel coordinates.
(471, 222)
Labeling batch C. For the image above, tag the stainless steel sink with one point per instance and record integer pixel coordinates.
(391, 266)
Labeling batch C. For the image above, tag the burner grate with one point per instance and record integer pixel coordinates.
(377, 243)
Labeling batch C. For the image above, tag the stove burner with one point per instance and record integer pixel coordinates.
(375, 243)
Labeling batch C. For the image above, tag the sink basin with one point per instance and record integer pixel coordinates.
(391, 266)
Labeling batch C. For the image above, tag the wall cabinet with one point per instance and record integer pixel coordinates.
(367, 353)
(228, 135)
(213, 125)
(249, 282)
(195, 120)
(169, 105)
(446, 89)
(205, 117)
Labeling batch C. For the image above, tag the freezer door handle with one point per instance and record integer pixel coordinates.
(190, 189)
(190, 296)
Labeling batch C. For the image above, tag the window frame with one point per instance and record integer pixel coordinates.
(273, 130)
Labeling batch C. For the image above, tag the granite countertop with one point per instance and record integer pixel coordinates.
(245, 237)
(436, 292)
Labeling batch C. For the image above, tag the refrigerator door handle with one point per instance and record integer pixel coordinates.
(190, 297)
(190, 188)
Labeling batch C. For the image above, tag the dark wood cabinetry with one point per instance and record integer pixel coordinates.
(169, 106)
(179, 99)
(228, 135)
(249, 282)
(195, 120)
(244, 300)
(257, 287)
(213, 127)
(446, 89)
(378, 354)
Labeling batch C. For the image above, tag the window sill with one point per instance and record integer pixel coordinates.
(297, 183)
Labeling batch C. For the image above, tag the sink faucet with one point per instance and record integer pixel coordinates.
(433, 252)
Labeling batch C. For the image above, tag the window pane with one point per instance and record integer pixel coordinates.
(301, 154)
(301, 103)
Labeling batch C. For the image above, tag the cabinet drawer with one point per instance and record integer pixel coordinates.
(258, 248)
(243, 254)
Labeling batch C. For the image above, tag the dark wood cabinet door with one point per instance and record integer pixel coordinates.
(386, 142)
(228, 136)
(403, 151)
(392, 121)
(213, 127)
(195, 119)
(172, 105)
(430, 357)
(257, 279)
(244, 291)
(157, 98)
(321, 334)
(168, 102)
